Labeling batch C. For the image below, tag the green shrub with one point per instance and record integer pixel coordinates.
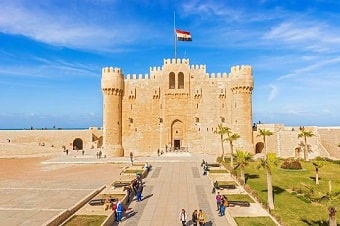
(292, 164)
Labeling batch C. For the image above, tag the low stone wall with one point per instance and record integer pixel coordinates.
(63, 216)
(111, 218)
(50, 138)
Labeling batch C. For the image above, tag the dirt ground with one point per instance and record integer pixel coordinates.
(33, 193)
(31, 169)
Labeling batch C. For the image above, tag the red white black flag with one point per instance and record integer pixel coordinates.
(183, 35)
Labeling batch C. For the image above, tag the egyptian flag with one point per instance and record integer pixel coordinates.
(183, 35)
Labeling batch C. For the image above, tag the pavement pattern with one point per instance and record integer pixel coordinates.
(175, 182)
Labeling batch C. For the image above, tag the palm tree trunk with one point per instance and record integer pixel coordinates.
(270, 190)
(242, 175)
(222, 148)
(306, 150)
(332, 218)
(332, 221)
(231, 155)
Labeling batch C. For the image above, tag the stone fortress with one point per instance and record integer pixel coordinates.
(176, 107)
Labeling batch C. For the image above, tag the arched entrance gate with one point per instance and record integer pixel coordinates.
(77, 144)
(177, 132)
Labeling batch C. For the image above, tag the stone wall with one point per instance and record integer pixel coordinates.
(45, 141)
(285, 141)
(330, 139)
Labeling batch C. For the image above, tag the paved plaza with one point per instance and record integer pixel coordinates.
(48, 186)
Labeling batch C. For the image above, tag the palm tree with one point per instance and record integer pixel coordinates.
(242, 160)
(268, 162)
(231, 138)
(222, 130)
(332, 218)
(304, 133)
(264, 133)
(317, 166)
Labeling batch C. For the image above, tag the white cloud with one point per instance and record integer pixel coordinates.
(274, 91)
(211, 9)
(310, 68)
(306, 33)
(326, 111)
(295, 112)
(54, 26)
(45, 68)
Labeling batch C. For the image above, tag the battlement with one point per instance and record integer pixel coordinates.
(137, 77)
(111, 70)
(156, 68)
(196, 66)
(217, 75)
(243, 69)
(176, 61)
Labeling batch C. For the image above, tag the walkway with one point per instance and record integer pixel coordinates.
(174, 184)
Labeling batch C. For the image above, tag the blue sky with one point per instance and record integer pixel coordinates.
(52, 52)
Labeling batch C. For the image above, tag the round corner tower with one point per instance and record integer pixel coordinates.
(112, 85)
(242, 84)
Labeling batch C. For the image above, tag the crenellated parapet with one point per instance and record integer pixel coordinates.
(156, 69)
(112, 82)
(242, 79)
(244, 70)
(111, 70)
(198, 68)
(217, 75)
(176, 61)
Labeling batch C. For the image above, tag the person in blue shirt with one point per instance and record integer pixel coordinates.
(119, 211)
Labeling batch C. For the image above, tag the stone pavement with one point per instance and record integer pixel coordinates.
(175, 182)
(32, 194)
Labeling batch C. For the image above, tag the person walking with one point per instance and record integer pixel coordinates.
(183, 217)
(222, 209)
(139, 191)
(201, 218)
(131, 158)
(224, 205)
(194, 218)
(119, 211)
(218, 201)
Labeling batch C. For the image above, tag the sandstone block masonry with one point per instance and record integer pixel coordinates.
(176, 107)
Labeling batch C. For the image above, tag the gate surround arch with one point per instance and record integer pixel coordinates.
(177, 134)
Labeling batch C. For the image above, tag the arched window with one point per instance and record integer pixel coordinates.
(180, 80)
(172, 80)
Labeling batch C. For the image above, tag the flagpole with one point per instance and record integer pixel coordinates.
(175, 39)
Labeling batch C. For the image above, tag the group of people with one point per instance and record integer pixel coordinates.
(137, 186)
(221, 203)
(118, 209)
(197, 217)
(204, 165)
(99, 154)
(116, 206)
